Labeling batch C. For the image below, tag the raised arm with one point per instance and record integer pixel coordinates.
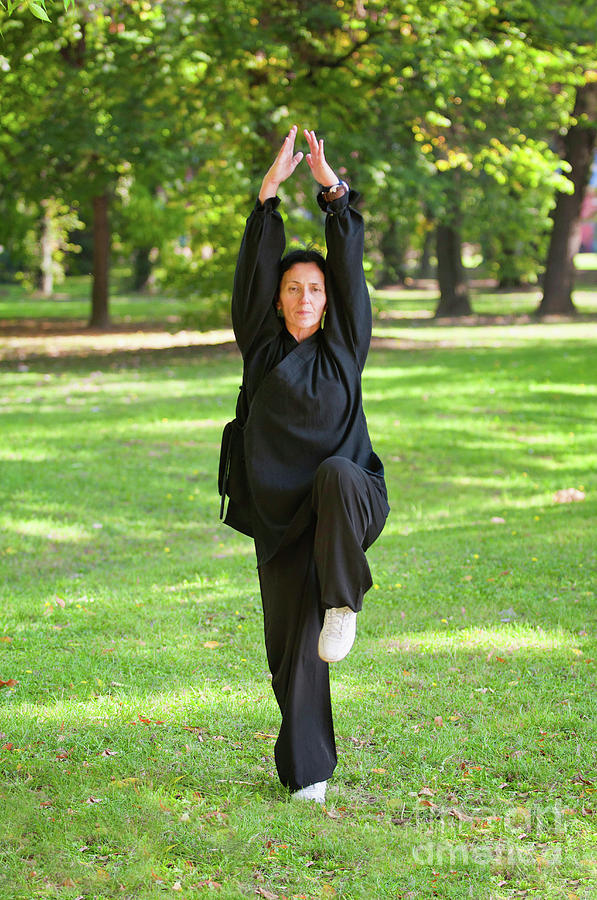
(348, 318)
(256, 276)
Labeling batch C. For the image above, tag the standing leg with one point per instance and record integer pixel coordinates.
(351, 511)
(305, 750)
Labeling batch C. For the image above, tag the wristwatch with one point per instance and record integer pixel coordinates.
(335, 191)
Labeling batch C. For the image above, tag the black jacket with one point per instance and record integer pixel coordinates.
(304, 398)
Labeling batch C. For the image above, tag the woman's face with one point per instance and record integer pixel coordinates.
(302, 299)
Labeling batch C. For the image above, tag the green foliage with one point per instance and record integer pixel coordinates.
(21, 226)
(38, 8)
(432, 110)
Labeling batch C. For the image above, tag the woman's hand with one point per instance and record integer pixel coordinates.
(321, 169)
(282, 167)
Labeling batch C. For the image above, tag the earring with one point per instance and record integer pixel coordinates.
(279, 312)
(322, 318)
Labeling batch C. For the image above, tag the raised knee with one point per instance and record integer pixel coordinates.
(334, 470)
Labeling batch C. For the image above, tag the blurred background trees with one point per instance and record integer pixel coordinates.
(139, 131)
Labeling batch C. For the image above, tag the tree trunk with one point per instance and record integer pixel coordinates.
(100, 317)
(142, 269)
(392, 253)
(46, 264)
(425, 269)
(579, 143)
(454, 299)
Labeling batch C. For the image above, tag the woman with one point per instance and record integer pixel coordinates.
(317, 495)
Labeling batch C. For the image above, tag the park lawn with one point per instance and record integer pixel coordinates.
(137, 721)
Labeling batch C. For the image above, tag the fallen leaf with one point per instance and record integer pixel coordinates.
(108, 752)
(568, 495)
(379, 771)
(61, 603)
(331, 813)
(426, 792)
(5, 639)
(177, 886)
(438, 721)
(580, 779)
(263, 892)
(195, 729)
(124, 781)
(91, 800)
(462, 817)
(211, 645)
(10, 683)
(68, 882)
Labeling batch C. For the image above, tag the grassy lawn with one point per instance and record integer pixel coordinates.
(137, 721)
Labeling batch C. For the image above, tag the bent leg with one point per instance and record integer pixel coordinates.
(305, 751)
(351, 511)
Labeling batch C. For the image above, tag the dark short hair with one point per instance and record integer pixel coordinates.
(300, 255)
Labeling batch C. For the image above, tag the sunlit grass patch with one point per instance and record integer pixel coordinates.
(137, 719)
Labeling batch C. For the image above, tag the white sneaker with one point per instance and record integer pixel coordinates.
(314, 792)
(338, 633)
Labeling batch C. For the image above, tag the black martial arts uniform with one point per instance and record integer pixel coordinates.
(317, 492)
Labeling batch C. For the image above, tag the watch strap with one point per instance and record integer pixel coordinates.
(335, 191)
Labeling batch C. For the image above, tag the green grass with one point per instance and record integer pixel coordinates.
(71, 301)
(137, 756)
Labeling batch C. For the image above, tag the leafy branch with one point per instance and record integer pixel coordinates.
(36, 7)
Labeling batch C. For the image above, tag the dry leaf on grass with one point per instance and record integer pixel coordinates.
(462, 817)
(580, 779)
(428, 803)
(568, 495)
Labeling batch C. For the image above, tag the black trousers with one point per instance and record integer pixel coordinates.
(326, 566)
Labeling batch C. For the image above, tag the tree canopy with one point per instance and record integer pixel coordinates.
(447, 115)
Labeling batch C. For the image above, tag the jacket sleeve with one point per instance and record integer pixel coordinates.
(256, 278)
(348, 316)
